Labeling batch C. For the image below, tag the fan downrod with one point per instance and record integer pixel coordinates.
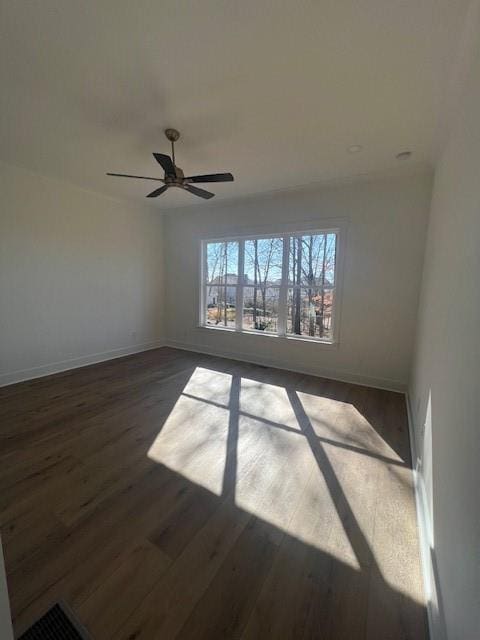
(172, 134)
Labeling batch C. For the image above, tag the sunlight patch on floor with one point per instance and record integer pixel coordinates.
(342, 421)
(282, 484)
(193, 442)
(267, 401)
(210, 385)
(306, 464)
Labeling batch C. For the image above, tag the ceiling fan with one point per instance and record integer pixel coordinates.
(174, 176)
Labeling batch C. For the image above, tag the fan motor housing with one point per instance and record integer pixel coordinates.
(177, 180)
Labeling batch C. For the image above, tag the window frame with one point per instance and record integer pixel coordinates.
(338, 229)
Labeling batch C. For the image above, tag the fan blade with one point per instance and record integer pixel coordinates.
(126, 175)
(158, 192)
(166, 163)
(211, 177)
(199, 192)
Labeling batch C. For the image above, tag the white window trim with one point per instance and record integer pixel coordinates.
(337, 226)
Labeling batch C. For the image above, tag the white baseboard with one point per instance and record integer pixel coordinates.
(431, 588)
(341, 376)
(75, 363)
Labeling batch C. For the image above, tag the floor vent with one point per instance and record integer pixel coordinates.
(57, 624)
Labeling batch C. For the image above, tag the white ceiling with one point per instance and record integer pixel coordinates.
(272, 91)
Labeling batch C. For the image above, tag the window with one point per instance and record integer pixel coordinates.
(221, 283)
(279, 285)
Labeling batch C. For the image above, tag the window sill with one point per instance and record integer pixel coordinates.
(323, 343)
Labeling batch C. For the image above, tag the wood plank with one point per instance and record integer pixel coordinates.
(224, 609)
(187, 518)
(163, 612)
(122, 591)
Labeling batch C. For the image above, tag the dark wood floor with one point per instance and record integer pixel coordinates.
(176, 495)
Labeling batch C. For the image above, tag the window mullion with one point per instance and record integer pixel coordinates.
(203, 284)
(282, 297)
(240, 277)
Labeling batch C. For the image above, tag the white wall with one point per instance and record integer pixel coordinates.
(6, 632)
(81, 276)
(386, 223)
(445, 386)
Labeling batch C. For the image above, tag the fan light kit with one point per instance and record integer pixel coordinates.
(173, 175)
